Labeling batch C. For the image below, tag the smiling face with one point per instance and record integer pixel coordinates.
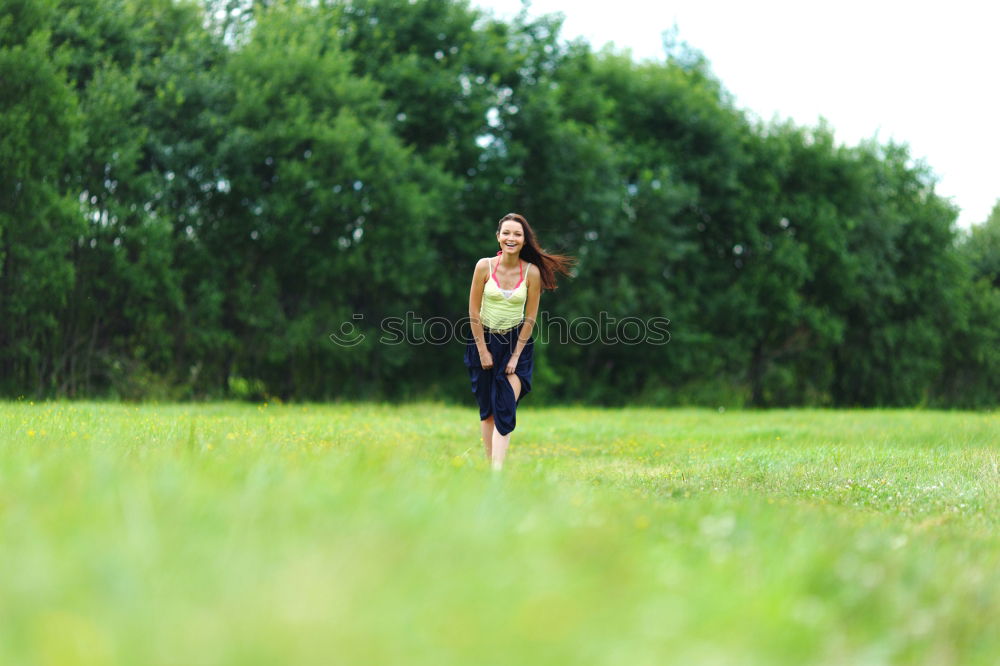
(511, 237)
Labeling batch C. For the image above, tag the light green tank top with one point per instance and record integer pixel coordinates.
(503, 308)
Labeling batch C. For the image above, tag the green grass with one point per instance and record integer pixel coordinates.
(366, 534)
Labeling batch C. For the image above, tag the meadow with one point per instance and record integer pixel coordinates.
(376, 534)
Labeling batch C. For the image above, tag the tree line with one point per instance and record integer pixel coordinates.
(197, 199)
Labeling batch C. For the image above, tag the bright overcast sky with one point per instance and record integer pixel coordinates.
(919, 72)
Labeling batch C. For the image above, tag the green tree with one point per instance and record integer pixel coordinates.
(39, 121)
(902, 299)
(650, 237)
(323, 213)
(119, 327)
(971, 377)
(981, 248)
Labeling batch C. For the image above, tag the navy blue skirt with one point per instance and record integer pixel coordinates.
(491, 387)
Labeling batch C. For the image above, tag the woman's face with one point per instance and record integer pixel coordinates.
(511, 237)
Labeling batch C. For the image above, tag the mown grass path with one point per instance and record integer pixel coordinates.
(370, 534)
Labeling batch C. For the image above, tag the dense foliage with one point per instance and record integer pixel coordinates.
(194, 197)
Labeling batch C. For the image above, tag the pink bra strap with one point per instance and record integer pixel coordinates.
(520, 270)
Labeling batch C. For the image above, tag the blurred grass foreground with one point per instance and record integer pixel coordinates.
(367, 534)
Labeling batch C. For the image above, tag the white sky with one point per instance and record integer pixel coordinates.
(919, 72)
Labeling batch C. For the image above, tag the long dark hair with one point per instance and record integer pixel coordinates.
(548, 264)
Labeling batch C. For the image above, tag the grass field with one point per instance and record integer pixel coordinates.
(367, 534)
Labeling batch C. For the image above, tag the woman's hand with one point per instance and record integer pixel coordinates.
(512, 364)
(486, 359)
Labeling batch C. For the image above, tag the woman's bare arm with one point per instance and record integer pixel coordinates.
(530, 307)
(476, 302)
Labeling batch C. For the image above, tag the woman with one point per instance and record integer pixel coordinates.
(503, 306)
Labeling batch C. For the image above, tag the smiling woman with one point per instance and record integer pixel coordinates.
(503, 305)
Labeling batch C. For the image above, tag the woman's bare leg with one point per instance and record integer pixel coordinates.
(487, 428)
(501, 442)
